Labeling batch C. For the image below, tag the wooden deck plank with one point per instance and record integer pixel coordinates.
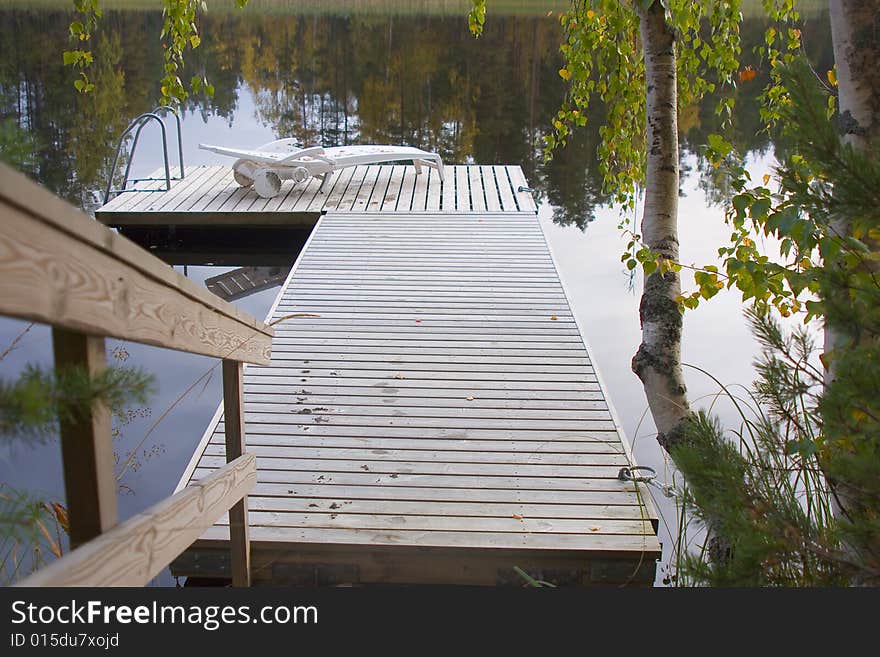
(508, 201)
(470, 433)
(380, 190)
(372, 455)
(405, 195)
(207, 187)
(354, 187)
(638, 543)
(490, 188)
(312, 188)
(123, 199)
(362, 199)
(478, 195)
(433, 200)
(454, 481)
(621, 499)
(179, 192)
(462, 190)
(447, 192)
(453, 422)
(524, 200)
(358, 506)
(393, 191)
(306, 345)
(220, 200)
(420, 191)
(482, 525)
(153, 199)
(340, 184)
(226, 185)
(410, 409)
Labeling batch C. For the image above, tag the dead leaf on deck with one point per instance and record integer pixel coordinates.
(553, 317)
(517, 516)
(595, 528)
(399, 376)
(292, 316)
(470, 399)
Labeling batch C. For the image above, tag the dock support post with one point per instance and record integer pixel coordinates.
(86, 444)
(233, 409)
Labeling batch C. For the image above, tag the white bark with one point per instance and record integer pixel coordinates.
(658, 360)
(855, 32)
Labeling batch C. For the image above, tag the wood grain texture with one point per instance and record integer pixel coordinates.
(134, 552)
(234, 448)
(86, 444)
(61, 268)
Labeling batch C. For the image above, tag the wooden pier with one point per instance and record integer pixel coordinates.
(430, 413)
(209, 196)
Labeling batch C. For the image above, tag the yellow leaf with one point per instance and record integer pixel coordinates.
(832, 77)
(53, 546)
(766, 178)
(565, 74)
(557, 124)
(60, 513)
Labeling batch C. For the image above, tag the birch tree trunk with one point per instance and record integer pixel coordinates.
(855, 33)
(658, 360)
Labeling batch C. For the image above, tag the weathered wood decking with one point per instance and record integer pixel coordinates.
(435, 416)
(209, 196)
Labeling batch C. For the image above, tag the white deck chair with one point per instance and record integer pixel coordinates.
(265, 167)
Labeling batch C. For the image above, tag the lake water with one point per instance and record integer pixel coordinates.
(363, 78)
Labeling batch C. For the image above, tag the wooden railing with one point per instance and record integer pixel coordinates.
(60, 267)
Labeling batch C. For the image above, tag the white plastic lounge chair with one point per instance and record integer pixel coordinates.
(265, 167)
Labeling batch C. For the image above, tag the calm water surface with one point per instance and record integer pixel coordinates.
(362, 79)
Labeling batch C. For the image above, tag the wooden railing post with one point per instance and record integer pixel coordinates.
(233, 410)
(86, 445)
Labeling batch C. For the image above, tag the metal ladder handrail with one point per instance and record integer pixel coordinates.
(139, 123)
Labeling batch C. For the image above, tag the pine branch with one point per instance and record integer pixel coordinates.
(31, 406)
